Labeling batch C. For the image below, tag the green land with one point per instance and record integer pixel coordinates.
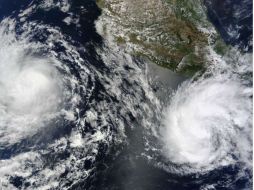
(175, 34)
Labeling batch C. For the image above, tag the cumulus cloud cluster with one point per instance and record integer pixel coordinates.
(30, 90)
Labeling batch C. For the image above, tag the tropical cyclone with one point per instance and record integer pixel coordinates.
(172, 33)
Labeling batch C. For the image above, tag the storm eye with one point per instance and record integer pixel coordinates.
(34, 90)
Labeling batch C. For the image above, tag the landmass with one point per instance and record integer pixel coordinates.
(175, 34)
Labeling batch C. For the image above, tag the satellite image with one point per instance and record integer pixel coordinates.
(126, 95)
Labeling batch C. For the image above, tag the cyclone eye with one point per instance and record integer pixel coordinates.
(34, 90)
